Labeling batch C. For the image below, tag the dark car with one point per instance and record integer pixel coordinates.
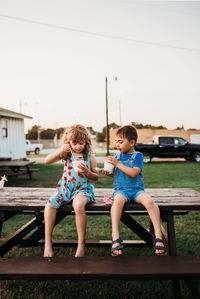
(169, 147)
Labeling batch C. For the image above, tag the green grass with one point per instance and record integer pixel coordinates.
(103, 154)
(32, 155)
(156, 175)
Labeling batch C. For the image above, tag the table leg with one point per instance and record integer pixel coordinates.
(16, 238)
(39, 233)
(137, 228)
(173, 250)
(29, 172)
(171, 235)
(2, 219)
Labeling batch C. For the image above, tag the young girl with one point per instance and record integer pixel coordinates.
(73, 186)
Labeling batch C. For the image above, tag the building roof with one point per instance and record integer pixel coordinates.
(12, 114)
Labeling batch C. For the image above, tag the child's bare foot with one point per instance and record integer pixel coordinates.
(80, 252)
(48, 251)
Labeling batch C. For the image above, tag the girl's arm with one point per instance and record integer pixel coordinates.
(57, 155)
(93, 173)
(131, 171)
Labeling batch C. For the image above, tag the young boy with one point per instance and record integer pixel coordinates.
(129, 187)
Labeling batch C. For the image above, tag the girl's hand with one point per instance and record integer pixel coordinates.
(112, 160)
(65, 148)
(83, 168)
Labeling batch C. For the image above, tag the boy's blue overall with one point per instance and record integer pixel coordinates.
(125, 184)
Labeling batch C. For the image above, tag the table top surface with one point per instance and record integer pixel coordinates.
(21, 198)
(11, 163)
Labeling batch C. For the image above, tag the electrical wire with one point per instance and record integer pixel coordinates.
(116, 37)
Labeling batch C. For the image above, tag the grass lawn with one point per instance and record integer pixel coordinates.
(162, 175)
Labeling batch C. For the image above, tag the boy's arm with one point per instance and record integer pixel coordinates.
(131, 171)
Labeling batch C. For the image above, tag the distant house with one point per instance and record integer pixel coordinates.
(12, 135)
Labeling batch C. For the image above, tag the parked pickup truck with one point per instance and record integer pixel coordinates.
(169, 147)
(33, 147)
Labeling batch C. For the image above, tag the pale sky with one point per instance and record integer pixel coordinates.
(55, 55)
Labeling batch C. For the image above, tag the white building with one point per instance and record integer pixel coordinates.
(12, 135)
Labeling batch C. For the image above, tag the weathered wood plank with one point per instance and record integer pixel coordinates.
(88, 243)
(138, 267)
(36, 198)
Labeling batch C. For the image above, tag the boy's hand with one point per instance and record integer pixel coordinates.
(107, 173)
(112, 160)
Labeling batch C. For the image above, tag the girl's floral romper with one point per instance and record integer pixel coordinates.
(72, 184)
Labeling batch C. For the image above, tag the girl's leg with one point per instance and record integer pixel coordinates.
(154, 214)
(49, 220)
(116, 212)
(79, 203)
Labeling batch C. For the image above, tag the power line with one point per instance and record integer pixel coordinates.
(116, 37)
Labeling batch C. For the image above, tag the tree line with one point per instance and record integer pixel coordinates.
(100, 136)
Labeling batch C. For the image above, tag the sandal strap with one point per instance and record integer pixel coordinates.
(120, 247)
(159, 248)
(117, 241)
(156, 240)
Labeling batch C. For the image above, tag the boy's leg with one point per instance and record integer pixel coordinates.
(79, 203)
(154, 214)
(116, 212)
(49, 220)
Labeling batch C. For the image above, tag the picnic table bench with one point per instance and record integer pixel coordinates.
(15, 168)
(177, 201)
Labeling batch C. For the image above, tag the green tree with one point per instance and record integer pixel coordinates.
(147, 126)
(179, 128)
(59, 132)
(101, 136)
(47, 134)
(114, 126)
(91, 130)
(33, 133)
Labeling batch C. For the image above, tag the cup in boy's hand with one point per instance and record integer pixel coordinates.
(108, 167)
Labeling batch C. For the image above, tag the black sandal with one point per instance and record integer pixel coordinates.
(156, 247)
(120, 247)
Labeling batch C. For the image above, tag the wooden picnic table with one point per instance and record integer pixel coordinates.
(16, 168)
(174, 201)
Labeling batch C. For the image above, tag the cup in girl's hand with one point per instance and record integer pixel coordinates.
(75, 165)
(108, 167)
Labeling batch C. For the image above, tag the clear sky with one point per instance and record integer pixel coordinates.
(55, 55)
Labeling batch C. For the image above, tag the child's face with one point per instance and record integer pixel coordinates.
(77, 146)
(124, 145)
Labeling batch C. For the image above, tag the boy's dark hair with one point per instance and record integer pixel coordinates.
(129, 132)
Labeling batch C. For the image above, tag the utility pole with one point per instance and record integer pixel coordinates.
(120, 114)
(107, 126)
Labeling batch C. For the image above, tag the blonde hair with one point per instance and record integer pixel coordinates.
(77, 133)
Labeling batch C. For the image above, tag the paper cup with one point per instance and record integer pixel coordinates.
(75, 165)
(108, 167)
